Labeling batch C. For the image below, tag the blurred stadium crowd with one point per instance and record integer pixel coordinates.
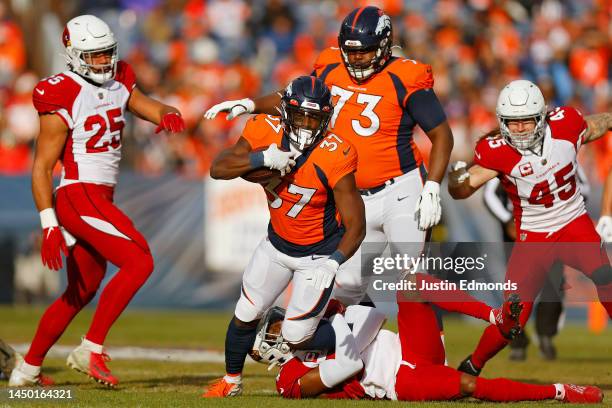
(194, 53)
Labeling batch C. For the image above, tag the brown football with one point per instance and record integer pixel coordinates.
(261, 175)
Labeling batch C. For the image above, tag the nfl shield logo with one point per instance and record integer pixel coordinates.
(523, 236)
(526, 169)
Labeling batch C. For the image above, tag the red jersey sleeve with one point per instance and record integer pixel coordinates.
(125, 75)
(350, 389)
(567, 123)
(56, 94)
(495, 154)
(288, 378)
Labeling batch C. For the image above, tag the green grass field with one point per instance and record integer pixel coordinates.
(584, 359)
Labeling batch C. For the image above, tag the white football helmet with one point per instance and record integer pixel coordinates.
(522, 99)
(85, 36)
(270, 347)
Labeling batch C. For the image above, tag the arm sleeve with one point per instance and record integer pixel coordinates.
(366, 322)
(347, 361)
(425, 109)
(494, 203)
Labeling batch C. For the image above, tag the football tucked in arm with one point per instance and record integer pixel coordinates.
(261, 175)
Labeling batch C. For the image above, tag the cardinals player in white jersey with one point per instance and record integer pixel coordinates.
(370, 363)
(82, 113)
(534, 154)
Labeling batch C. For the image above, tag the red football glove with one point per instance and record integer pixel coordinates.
(53, 243)
(171, 122)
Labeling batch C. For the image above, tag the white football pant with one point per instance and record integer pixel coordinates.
(389, 220)
(266, 277)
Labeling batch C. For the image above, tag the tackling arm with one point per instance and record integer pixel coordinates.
(346, 363)
(598, 125)
(268, 104)
(463, 183)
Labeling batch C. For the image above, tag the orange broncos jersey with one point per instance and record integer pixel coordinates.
(303, 216)
(373, 115)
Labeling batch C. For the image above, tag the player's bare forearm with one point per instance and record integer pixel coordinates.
(598, 125)
(268, 104)
(232, 162)
(352, 211)
(478, 176)
(441, 146)
(49, 145)
(311, 385)
(148, 108)
(606, 203)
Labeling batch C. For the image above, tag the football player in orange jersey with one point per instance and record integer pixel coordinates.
(317, 221)
(379, 99)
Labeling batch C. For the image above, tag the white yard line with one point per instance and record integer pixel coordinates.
(143, 353)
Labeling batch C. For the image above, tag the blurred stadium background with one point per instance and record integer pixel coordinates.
(194, 53)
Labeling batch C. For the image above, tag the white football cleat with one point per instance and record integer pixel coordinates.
(20, 379)
(92, 364)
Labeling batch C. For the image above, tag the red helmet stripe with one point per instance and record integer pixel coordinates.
(356, 18)
(65, 36)
(313, 83)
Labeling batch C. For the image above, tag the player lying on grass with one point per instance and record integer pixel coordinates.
(370, 363)
(534, 153)
(316, 221)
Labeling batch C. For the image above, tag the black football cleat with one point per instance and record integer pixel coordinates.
(507, 317)
(468, 367)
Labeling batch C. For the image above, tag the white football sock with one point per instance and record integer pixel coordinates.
(560, 392)
(29, 369)
(91, 346)
(233, 379)
(492, 317)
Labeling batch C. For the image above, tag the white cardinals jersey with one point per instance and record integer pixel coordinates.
(543, 189)
(95, 119)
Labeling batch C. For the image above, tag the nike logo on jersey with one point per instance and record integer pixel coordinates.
(402, 198)
(42, 92)
(346, 152)
(477, 155)
(314, 258)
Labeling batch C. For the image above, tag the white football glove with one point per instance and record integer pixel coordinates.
(458, 173)
(235, 108)
(68, 237)
(428, 210)
(604, 228)
(323, 275)
(277, 159)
